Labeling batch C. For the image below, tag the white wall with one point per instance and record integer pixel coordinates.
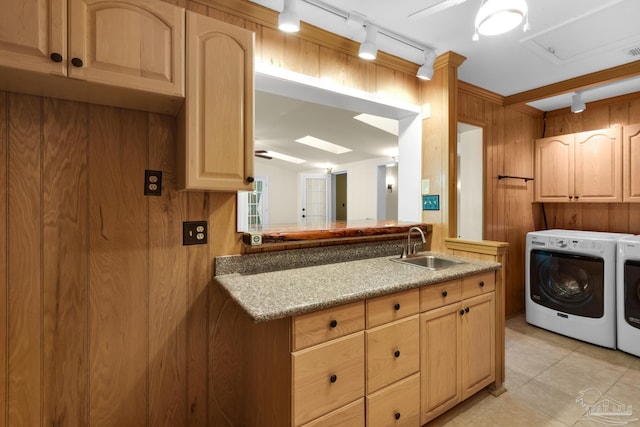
(470, 185)
(283, 208)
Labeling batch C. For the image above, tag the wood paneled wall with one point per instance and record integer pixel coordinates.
(509, 214)
(105, 318)
(612, 217)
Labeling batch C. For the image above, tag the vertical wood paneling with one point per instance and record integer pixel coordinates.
(25, 261)
(65, 287)
(198, 319)
(301, 56)
(118, 341)
(167, 275)
(4, 284)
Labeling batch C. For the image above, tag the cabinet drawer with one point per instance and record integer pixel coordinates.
(396, 405)
(392, 352)
(327, 376)
(392, 307)
(351, 415)
(324, 325)
(478, 284)
(439, 295)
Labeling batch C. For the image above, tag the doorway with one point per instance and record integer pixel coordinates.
(470, 182)
(340, 199)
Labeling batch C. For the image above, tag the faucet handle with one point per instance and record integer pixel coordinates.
(404, 252)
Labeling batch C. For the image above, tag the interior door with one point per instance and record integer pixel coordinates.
(314, 196)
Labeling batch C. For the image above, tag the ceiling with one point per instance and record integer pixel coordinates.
(568, 38)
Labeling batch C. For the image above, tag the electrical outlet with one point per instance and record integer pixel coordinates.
(152, 183)
(194, 232)
(431, 202)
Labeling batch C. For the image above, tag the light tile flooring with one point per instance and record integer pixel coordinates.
(545, 375)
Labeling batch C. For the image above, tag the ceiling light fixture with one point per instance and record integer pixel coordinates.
(288, 20)
(499, 16)
(368, 48)
(577, 104)
(425, 72)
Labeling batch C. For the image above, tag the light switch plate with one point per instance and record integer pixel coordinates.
(431, 202)
(426, 186)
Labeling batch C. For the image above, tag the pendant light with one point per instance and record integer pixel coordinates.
(499, 16)
(288, 20)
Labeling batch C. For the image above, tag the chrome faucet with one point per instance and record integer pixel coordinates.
(411, 250)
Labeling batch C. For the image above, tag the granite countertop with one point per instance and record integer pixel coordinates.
(276, 294)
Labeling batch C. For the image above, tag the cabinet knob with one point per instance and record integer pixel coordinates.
(56, 57)
(577, 197)
(396, 306)
(333, 378)
(481, 284)
(333, 323)
(396, 353)
(76, 62)
(250, 179)
(444, 293)
(397, 415)
(466, 310)
(461, 312)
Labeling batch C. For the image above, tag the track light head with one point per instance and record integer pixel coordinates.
(288, 20)
(577, 104)
(425, 72)
(368, 48)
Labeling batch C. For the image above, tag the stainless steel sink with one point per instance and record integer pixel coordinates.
(428, 261)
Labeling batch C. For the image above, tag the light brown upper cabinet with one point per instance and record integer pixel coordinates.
(631, 166)
(215, 126)
(581, 167)
(136, 44)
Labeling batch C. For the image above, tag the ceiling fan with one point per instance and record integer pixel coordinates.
(262, 153)
(435, 8)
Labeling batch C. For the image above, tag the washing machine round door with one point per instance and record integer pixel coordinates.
(632, 293)
(565, 282)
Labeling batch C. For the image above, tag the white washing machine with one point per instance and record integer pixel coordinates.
(628, 295)
(571, 283)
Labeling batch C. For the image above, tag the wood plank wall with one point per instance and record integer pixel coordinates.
(611, 217)
(105, 318)
(509, 213)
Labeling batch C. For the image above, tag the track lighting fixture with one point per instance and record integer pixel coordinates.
(425, 72)
(288, 20)
(499, 16)
(368, 48)
(577, 104)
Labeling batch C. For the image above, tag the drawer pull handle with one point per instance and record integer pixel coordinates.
(397, 415)
(466, 310)
(56, 57)
(333, 378)
(444, 294)
(396, 306)
(461, 312)
(396, 353)
(77, 62)
(481, 284)
(333, 323)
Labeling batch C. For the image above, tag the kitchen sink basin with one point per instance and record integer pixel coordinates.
(428, 261)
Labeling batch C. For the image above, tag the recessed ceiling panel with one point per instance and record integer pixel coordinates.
(610, 26)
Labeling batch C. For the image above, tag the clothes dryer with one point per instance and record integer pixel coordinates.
(571, 283)
(628, 295)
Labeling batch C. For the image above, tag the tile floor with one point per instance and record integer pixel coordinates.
(545, 375)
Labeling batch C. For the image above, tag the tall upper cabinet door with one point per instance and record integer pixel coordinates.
(599, 165)
(33, 35)
(554, 169)
(215, 151)
(135, 43)
(631, 163)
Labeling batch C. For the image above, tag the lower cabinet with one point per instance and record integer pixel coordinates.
(396, 360)
(457, 347)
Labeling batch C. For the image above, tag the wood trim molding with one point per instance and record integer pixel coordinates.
(578, 83)
(487, 247)
(485, 94)
(269, 18)
(604, 102)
